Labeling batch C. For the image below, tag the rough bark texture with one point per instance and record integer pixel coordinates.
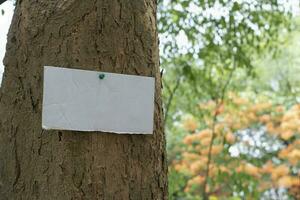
(108, 35)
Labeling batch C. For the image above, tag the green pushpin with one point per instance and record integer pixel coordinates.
(101, 76)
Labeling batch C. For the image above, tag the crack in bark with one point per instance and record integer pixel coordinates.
(17, 162)
(33, 103)
(41, 142)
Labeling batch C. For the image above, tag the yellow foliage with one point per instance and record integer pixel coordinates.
(182, 167)
(270, 126)
(294, 157)
(188, 139)
(237, 125)
(239, 101)
(271, 129)
(296, 107)
(265, 105)
(213, 170)
(261, 106)
(285, 181)
(280, 123)
(190, 124)
(177, 167)
(286, 135)
(204, 159)
(264, 185)
(279, 109)
(218, 110)
(264, 118)
(196, 180)
(283, 154)
(207, 189)
(251, 116)
(197, 166)
(224, 169)
(206, 141)
(187, 189)
(208, 121)
(219, 128)
(290, 115)
(190, 156)
(228, 119)
(230, 138)
(240, 168)
(205, 133)
(216, 149)
(213, 198)
(268, 168)
(297, 143)
(209, 106)
(279, 171)
(204, 151)
(296, 181)
(291, 125)
(252, 170)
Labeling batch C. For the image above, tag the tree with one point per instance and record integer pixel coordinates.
(213, 39)
(255, 148)
(114, 36)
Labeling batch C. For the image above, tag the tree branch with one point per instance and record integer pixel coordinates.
(172, 92)
(215, 116)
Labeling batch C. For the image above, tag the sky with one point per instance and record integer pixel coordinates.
(5, 21)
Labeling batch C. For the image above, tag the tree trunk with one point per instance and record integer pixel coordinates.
(106, 35)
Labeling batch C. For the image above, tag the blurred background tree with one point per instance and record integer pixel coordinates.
(209, 50)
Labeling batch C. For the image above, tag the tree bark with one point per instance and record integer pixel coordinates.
(106, 35)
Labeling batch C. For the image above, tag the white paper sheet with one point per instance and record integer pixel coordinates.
(79, 100)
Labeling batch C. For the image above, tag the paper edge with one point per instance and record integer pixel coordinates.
(88, 70)
(103, 131)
